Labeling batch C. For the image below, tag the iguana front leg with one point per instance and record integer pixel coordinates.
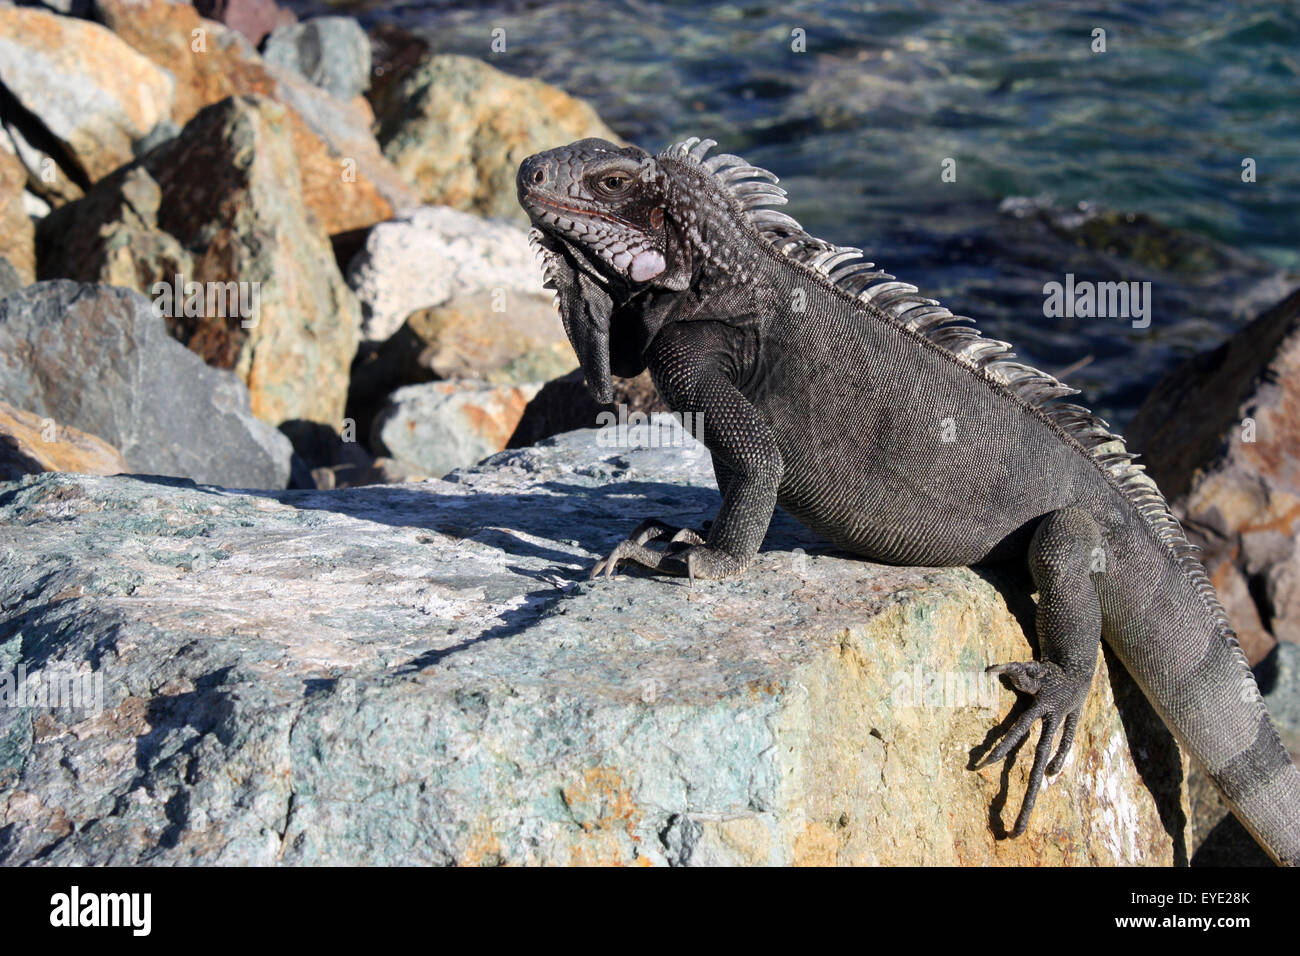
(746, 460)
(1062, 558)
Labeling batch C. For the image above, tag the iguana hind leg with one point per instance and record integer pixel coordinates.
(1063, 556)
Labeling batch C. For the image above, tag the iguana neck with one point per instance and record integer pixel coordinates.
(724, 248)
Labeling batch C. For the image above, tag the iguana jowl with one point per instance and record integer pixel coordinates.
(888, 425)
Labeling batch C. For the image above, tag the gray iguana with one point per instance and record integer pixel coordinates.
(824, 387)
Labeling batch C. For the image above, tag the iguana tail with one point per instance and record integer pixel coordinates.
(1185, 656)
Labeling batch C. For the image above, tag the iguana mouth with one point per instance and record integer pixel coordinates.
(557, 206)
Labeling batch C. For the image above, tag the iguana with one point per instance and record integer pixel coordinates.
(891, 427)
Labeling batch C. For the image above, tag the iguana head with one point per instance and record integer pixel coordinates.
(603, 223)
(608, 201)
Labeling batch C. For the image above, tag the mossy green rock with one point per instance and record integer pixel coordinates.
(422, 674)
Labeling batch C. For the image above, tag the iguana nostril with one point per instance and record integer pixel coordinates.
(539, 177)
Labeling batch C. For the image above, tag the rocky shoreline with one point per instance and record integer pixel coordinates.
(246, 252)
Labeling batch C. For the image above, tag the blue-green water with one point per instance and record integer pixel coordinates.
(859, 124)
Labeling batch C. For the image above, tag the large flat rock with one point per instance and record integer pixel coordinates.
(421, 674)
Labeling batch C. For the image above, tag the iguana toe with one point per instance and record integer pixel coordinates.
(1057, 704)
(633, 548)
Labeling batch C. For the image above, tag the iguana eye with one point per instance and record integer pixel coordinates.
(613, 183)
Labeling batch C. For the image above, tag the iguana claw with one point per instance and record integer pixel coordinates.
(1057, 704)
(633, 548)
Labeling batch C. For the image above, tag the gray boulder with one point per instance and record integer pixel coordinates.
(330, 52)
(421, 674)
(98, 359)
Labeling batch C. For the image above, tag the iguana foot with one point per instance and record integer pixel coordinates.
(633, 548)
(686, 554)
(1057, 702)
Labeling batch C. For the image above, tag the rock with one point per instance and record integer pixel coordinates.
(394, 52)
(434, 254)
(457, 130)
(319, 444)
(219, 205)
(346, 182)
(334, 188)
(10, 281)
(35, 206)
(30, 444)
(432, 429)
(1221, 436)
(330, 52)
(319, 449)
(521, 341)
(465, 338)
(89, 89)
(68, 8)
(367, 187)
(420, 674)
(564, 404)
(382, 471)
(99, 359)
(17, 235)
(112, 236)
(209, 61)
(253, 18)
(48, 183)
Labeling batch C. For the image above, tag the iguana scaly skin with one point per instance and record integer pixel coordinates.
(888, 425)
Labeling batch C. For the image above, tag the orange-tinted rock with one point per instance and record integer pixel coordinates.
(1221, 436)
(90, 89)
(345, 129)
(211, 62)
(31, 444)
(17, 237)
(336, 187)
